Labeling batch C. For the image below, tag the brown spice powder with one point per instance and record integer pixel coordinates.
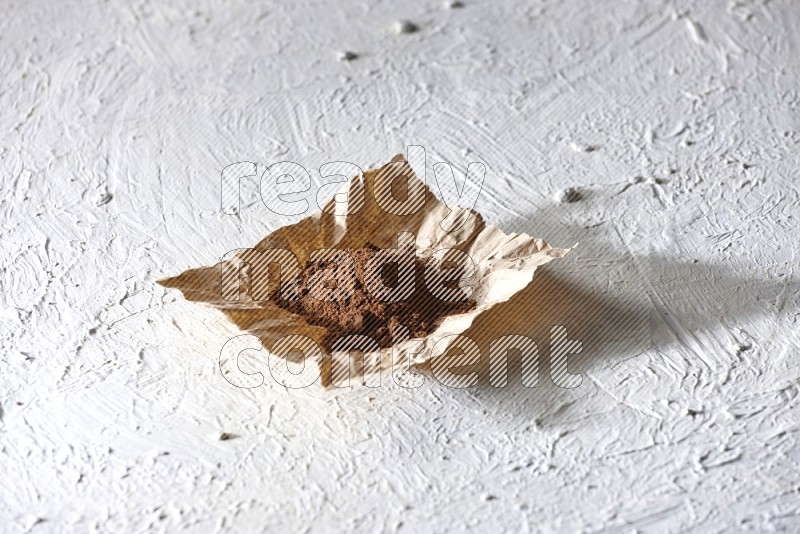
(355, 310)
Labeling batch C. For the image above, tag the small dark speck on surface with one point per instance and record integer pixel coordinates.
(225, 436)
(104, 199)
(454, 4)
(570, 194)
(347, 55)
(405, 26)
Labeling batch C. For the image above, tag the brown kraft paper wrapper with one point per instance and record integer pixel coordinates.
(371, 214)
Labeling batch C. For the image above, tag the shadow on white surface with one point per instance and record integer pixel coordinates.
(635, 317)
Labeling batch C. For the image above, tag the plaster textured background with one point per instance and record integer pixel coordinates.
(677, 121)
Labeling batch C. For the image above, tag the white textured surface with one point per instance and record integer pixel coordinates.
(676, 121)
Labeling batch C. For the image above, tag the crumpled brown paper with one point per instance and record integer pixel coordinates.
(505, 265)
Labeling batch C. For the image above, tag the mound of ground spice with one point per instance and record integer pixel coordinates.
(340, 296)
